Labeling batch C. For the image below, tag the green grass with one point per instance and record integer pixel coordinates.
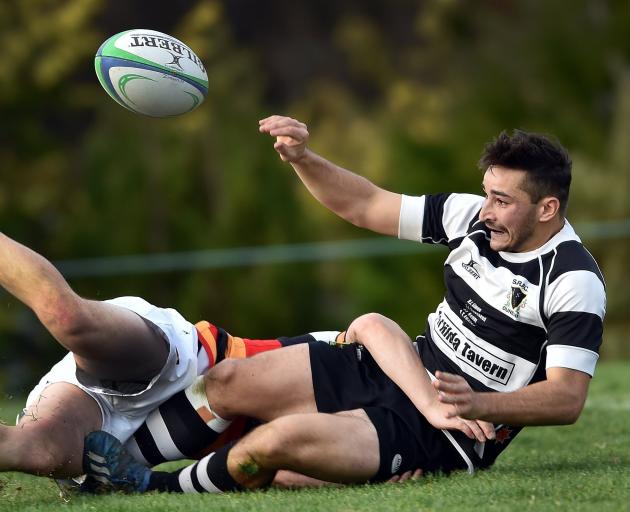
(582, 467)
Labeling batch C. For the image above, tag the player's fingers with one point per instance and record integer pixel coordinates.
(268, 124)
(278, 123)
(271, 125)
(285, 149)
(274, 117)
(476, 430)
(488, 428)
(463, 426)
(296, 122)
(282, 150)
(288, 152)
(448, 377)
(299, 134)
(417, 474)
(452, 399)
(411, 475)
(405, 476)
(450, 387)
(393, 479)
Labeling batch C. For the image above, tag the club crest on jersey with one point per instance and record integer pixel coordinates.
(516, 298)
(470, 267)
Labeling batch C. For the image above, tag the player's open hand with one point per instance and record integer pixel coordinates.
(291, 136)
(443, 417)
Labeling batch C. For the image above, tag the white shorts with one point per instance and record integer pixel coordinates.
(122, 412)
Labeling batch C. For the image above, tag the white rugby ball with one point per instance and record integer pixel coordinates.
(151, 73)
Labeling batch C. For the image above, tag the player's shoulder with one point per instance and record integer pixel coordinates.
(572, 256)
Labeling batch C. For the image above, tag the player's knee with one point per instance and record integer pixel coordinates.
(260, 449)
(367, 324)
(278, 442)
(254, 460)
(220, 383)
(370, 321)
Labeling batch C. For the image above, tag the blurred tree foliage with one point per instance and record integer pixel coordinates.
(405, 93)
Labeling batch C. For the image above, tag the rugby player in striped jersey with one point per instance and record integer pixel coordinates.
(514, 342)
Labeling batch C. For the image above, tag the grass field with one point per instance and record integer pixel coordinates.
(582, 467)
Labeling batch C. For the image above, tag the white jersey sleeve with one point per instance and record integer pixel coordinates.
(437, 219)
(574, 305)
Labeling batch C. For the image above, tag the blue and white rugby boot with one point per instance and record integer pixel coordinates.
(109, 467)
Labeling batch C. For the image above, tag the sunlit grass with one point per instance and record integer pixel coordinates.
(582, 467)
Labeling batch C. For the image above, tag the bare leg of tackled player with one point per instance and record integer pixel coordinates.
(108, 342)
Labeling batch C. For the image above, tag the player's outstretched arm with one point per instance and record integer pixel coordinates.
(556, 401)
(352, 197)
(393, 351)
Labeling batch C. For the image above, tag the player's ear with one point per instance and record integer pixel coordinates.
(548, 208)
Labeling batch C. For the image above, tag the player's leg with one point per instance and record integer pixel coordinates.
(49, 438)
(341, 377)
(372, 444)
(272, 384)
(183, 427)
(301, 443)
(186, 425)
(264, 387)
(341, 447)
(108, 341)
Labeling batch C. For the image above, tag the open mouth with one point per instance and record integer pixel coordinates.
(495, 231)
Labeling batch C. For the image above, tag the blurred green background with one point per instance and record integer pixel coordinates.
(403, 92)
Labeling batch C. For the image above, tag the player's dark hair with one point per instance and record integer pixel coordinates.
(547, 164)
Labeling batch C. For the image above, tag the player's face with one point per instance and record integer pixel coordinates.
(508, 211)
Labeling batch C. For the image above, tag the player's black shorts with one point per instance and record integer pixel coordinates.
(348, 378)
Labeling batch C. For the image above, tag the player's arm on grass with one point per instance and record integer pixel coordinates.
(556, 401)
(393, 351)
(352, 197)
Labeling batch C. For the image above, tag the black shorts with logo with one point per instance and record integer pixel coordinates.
(346, 378)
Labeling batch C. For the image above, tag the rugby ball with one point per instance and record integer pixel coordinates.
(151, 73)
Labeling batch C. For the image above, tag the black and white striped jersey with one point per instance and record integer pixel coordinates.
(506, 317)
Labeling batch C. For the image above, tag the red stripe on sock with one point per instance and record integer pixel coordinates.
(253, 347)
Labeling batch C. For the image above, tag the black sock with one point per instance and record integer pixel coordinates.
(165, 482)
(295, 340)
